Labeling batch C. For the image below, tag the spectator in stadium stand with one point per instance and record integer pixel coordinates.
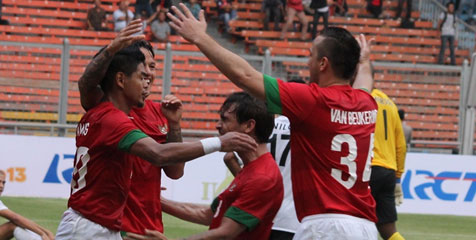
(338, 7)
(143, 5)
(319, 115)
(408, 13)
(447, 27)
(194, 7)
(388, 165)
(271, 8)
(160, 28)
(293, 8)
(246, 208)
(407, 129)
(285, 223)
(164, 5)
(374, 7)
(227, 10)
(97, 17)
(122, 16)
(106, 138)
(320, 10)
(18, 226)
(2, 21)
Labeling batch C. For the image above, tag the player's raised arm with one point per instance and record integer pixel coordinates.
(89, 89)
(364, 78)
(235, 68)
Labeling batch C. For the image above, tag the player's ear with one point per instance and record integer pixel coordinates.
(323, 63)
(120, 79)
(250, 126)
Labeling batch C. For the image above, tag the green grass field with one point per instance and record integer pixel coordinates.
(47, 212)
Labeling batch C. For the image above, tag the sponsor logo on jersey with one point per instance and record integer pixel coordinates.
(163, 129)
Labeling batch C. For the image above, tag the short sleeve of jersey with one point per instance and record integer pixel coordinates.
(253, 204)
(119, 131)
(290, 99)
(2, 206)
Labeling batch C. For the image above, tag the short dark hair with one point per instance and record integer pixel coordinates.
(342, 50)
(126, 61)
(247, 107)
(144, 44)
(401, 114)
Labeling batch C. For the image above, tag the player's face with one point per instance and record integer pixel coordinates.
(228, 122)
(149, 67)
(313, 62)
(136, 86)
(2, 182)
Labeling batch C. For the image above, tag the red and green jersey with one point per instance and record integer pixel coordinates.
(102, 167)
(252, 199)
(143, 209)
(331, 146)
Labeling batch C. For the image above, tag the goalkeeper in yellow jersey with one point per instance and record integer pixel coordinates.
(387, 165)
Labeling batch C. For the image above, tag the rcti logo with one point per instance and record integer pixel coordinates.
(423, 182)
(52, 175)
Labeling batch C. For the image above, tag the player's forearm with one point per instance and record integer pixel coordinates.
(174, 134)
(90, 92)
(166, 154)
(190, 212)
(235, 68)
(364, 78)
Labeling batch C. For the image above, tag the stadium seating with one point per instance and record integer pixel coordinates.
(29, 76)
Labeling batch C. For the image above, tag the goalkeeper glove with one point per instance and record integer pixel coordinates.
(398, 194)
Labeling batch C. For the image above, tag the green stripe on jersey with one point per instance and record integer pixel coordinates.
(242, 217)
(131, 138)
(365, 89)
(271, 89)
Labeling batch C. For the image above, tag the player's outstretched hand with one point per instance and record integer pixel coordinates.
(186, 24)
(239, 142)
(172, 109)
(149, 234)
(126, 36)
(364, 47)
(398, 194)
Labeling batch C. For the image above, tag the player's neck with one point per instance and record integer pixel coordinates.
(251, 156)
(119, 102)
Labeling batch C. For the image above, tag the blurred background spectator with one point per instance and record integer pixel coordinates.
(272, 8)
(160, 28)
(122, 16)
(143, 5)
(295, 7)
(97, 17)
(320, 10)
(408, 14)
(226, 12)
(194, 7)
(374, 7)
(447, 26)
(2, 21)
(338, 7)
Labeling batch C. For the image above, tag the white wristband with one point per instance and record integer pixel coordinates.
(210, 145)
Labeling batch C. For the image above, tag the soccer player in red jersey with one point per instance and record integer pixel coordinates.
(333, 125)
(159, 121)
(246, 209)
(106, 138)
